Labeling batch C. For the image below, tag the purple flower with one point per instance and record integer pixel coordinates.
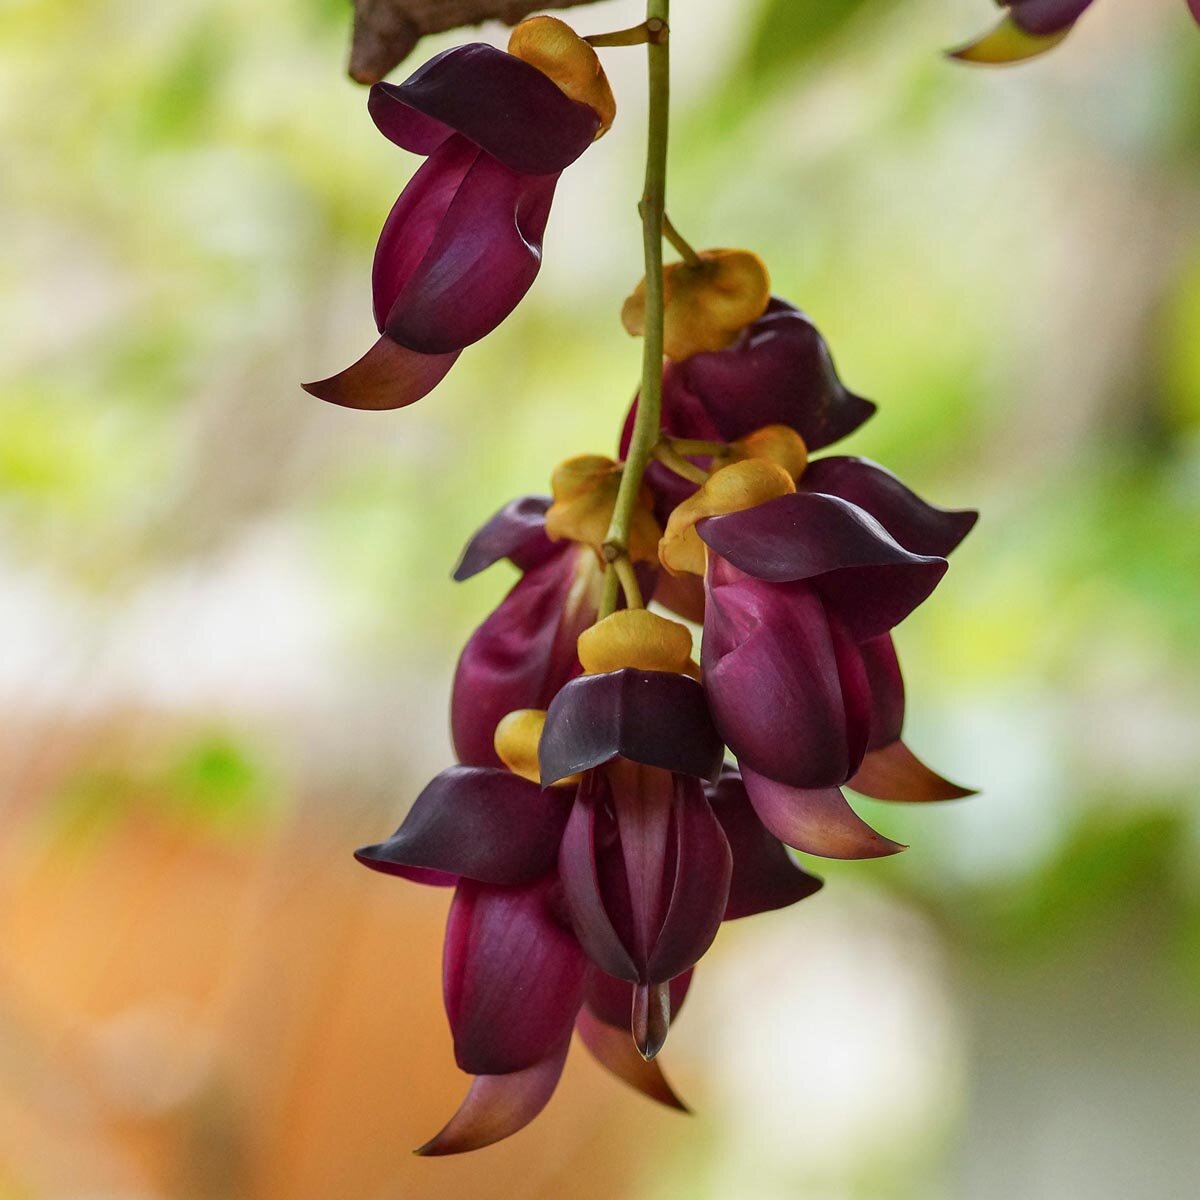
(463, 243)
(645, 864)
(525, 651)
(1030, 28)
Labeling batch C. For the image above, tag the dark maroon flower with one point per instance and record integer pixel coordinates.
(525, 651)
(515, 979)
(644, 863)
(463, 243)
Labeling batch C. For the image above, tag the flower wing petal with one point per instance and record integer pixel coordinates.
(387, 376)
(614, 1050)
(517, 532)
(893, 772)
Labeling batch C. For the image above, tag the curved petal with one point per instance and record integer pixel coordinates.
(414, 221)
(517, 532)
(702, 870)
(512, 976)
(481, 261)
(893, 772)
(1042, 17)
(578, 868)
(524, 653)
(611, 1000)
(916, 525)
(861, 572)
(785, 682)
(815, 821)
(479, 823)
(650, 717)
(887, 690)
(614, 1050)
(779, 372)
(497, 1106)
(1008, 43)
(764, 876)
(504, 105)
(388, 376)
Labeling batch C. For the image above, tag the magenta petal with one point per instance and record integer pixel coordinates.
(814, 821)
(916, 525)
(893, 772)
(778, 373)
(503, 104)
(615, 1051)
(611, 1000)
(861, 572)
(480, 263)
(521, 656)
(497, 1106)
(702, 872)
(512, 976)
(650, 717)
(785, 682)
(387, 376)
(517, 532)
(578, 869)
(1194, 5)
(401, 123)
(479, 823)
(764, 876)
(887, 690)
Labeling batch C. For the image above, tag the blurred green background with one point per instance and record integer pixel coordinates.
(229, 626)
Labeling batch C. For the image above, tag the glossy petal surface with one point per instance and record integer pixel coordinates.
(388, 376)
(517, 532)
(893, 772)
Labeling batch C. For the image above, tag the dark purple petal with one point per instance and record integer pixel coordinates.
(480, 263)
(512, 976)
(517, 532)
(764, 876)
(778, 373)
(611, 1000)
(814, 821)
(887, 690)
(861, 572)
(578, 868)
(650, 717)
(387, 376)
(702, 871)
(501, 103)
(1042, 17)
(893, 772)
(785, 682)
(615, 1051)
(1194, 5)
(497, 1106)
(480, 823)
(414, 222)
(916, 525)
(523, 654)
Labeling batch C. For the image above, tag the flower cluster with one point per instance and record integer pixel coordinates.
(1030, 28)
(595, 830)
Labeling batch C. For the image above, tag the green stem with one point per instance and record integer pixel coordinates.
(682, 246)
(654, 194)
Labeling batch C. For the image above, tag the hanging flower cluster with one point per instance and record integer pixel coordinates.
(595, 830)
(1030, 28)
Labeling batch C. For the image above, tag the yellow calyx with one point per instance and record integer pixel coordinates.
(637, 639)
(516, 740)
(734, 488)
(585, 493)
(779, 444)
(707, 305)
(1008, 43)
(559, 52)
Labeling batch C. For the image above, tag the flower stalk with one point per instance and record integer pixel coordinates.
(652, 209)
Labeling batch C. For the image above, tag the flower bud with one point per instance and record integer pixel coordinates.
(559, 52)
(706, 305)
(585, 492)
(636, 639)
(732, 489)
(778, 444)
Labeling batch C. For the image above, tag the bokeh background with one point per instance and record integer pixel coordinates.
(229, 626)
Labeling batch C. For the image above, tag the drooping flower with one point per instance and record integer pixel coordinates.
(463, 243)
(1030, 28)
(525, 651)
(516, 982)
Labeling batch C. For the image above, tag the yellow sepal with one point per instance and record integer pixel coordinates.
(779, 444)
(707, 305)
(559, 52)
(585, 493)
(734, 488)
(637, 639)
